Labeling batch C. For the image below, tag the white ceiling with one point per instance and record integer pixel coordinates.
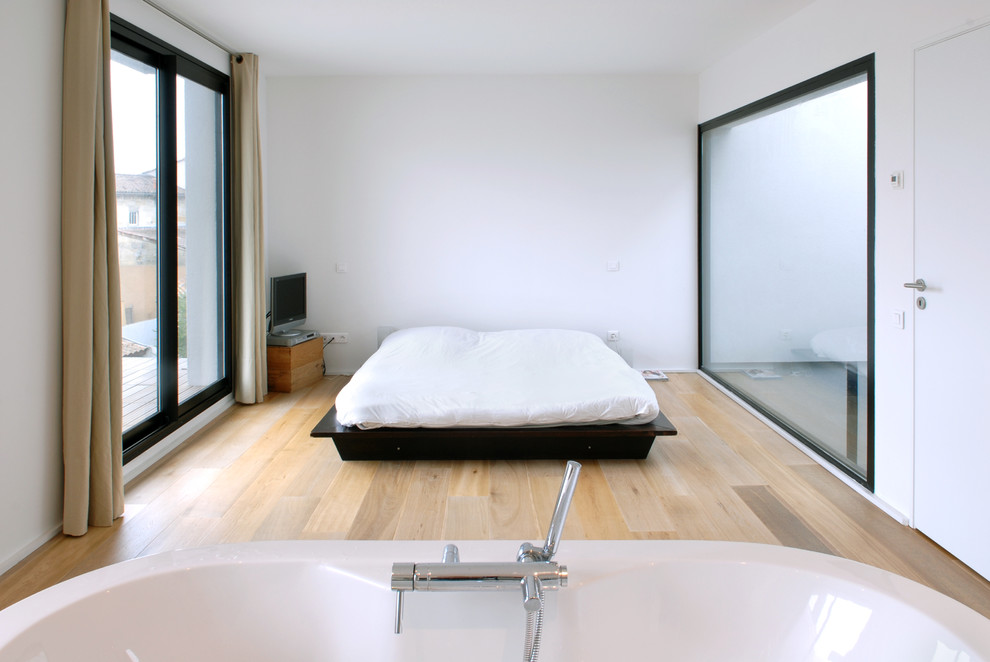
(326, 37)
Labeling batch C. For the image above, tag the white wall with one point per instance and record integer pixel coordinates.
(489, 202)
(825, 35)
(30, 175)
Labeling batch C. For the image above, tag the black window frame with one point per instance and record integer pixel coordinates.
(864, 65)
(171, 62)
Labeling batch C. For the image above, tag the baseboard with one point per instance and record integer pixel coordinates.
(29, 549)
(828, 466)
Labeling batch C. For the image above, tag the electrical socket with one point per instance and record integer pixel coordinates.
(612, 336)
(334, 338)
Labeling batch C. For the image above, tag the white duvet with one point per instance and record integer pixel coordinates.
(448, 376)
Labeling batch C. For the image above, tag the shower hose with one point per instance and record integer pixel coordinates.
(534, 631)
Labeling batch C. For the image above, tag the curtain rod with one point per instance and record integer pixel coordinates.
(159, 8)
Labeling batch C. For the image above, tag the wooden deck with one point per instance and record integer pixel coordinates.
(141, 388)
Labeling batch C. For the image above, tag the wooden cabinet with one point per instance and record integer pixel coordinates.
(294, 367)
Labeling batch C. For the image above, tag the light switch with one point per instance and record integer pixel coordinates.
(897, 318)
(341, 267)
(612, 265)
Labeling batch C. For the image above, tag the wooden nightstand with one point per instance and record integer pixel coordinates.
(290, 368)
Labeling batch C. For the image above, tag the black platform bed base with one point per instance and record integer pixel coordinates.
(599, 442)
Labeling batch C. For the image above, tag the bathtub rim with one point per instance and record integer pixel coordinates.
(376, 557)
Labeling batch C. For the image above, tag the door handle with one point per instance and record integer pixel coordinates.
(917, 285)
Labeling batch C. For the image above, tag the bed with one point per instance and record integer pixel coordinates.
(453, 393)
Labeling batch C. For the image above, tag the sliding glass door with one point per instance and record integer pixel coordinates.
(786, 260)
(170, 152)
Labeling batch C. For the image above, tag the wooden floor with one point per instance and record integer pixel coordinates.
(256, 474)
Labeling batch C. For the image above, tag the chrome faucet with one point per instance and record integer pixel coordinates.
(532, 570)
(528, 552)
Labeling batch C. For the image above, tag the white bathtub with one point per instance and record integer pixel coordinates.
(323, 601)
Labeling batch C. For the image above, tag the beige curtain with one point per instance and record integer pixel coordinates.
(247, 235)
(91, 342)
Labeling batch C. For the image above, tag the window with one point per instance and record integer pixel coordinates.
(786, 253)
(170, 124)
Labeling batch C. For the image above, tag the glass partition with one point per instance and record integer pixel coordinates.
(786, 217)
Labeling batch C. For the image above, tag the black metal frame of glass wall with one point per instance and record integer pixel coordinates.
(864, 65)
(172, 63)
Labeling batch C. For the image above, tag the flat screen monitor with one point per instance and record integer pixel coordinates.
(288, 304)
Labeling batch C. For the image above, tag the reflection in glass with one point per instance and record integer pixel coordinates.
(135, 112)
(200, 177)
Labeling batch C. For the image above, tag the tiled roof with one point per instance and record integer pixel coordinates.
(144, 184)
(132, 348)
(147, 184)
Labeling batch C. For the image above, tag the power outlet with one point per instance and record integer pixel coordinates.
(612, 336)
(334, 338)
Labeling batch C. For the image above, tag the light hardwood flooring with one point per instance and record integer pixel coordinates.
(256, 474)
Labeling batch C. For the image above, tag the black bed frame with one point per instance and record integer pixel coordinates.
(629, 442)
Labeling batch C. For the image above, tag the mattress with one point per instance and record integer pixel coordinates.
(452, 377)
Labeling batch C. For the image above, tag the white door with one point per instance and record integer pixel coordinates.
(952, 332)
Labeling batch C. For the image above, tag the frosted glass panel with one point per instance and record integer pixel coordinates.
(785, 280)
